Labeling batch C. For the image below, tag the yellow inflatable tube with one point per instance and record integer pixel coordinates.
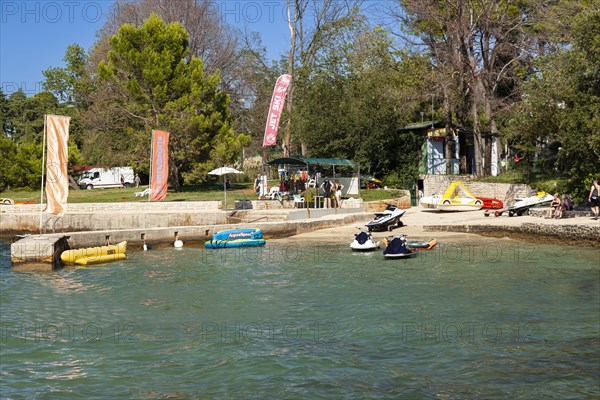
(100, 259)
(104, 253)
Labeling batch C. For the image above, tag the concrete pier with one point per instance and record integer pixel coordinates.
(42, 252)
(38, 252)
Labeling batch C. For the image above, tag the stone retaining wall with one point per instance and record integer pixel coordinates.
(108, 220)
(541, 212)
(380, 205)
(198, 234)
(583, 235)
(437, 184)
(124, 206)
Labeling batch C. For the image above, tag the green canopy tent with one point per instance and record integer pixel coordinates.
(353, 184)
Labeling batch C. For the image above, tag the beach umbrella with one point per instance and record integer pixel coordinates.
(223, 171)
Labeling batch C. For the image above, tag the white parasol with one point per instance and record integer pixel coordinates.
(222, 172)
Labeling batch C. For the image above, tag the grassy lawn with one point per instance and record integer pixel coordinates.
(240, 191)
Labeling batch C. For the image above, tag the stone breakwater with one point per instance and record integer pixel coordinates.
(571, 234)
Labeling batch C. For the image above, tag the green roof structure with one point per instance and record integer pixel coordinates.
(294, 160)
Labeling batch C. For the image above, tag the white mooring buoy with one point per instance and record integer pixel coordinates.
(178, 243)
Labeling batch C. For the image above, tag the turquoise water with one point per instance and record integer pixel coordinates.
(489, 319)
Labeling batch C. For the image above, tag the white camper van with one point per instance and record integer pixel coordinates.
(106, 178)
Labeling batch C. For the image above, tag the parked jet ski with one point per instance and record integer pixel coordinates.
(397, 248)
(364, 242)
(522, 205)
(387, 219)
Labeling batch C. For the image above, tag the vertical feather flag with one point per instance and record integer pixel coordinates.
(160, 165)
(57, 177)
(275, 109)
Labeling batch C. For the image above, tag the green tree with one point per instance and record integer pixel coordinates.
(479, 50)
(150, 81)
(356, 97)
(70, 84)
(21, 165)
(4, 121)
(560, 113)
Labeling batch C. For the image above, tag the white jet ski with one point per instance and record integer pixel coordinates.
(387, 219)
(364, 242)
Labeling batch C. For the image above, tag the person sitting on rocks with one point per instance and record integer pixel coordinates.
(565, 205)
(554, 205)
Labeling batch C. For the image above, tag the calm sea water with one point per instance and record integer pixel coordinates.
(489, 319)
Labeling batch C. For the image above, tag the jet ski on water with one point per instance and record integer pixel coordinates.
(387, 219)
(397, 248)
(364, 242)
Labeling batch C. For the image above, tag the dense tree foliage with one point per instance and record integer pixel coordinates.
(149, 81)
(527, 71)
(22, 121)
(356, 98)
(559, 117)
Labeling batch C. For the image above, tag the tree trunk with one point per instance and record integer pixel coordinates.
(449, 138)
(478, 143)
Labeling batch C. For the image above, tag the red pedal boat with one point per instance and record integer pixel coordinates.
(491, 204)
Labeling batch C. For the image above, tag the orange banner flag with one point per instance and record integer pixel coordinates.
(160, 165)
(57, 177)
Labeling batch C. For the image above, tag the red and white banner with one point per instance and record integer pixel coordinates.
(160, 165)
(275, 109)
(57, 161)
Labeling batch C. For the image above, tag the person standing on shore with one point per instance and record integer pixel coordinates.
(326, 187)
(257, 183)
(338, 193)
(593, 198)
(137, 180)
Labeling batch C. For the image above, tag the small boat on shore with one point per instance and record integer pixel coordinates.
(491, 203)
(95, 255)
(243, 237)
(430, 201)
(460, 204)
(451, 201)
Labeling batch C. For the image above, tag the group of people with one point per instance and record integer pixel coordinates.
(331, 191)
(558, 206)
(295, 183)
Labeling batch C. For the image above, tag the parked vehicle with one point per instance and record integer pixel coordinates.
(106, 178)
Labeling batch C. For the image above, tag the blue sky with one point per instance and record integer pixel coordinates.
(35, 34)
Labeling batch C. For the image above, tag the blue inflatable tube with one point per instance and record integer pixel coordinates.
(221, 244)
(235, 234)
